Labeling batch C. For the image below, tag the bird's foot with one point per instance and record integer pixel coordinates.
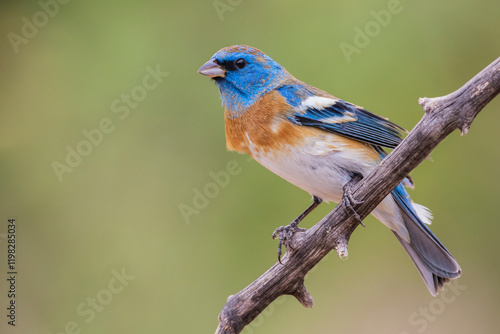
(349, 201)
(284, 233)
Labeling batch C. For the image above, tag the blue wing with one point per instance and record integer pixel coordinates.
(343, 118)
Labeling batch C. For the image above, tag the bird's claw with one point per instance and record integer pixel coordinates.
(349, 201)
(285, 233)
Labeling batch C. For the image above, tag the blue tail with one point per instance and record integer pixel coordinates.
(434, 262)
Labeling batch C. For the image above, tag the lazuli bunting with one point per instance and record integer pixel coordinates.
(319, 143)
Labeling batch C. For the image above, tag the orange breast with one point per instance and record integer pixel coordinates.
(264, 127)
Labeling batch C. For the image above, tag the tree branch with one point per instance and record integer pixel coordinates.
(442, 116)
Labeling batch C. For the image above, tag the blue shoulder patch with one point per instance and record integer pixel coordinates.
(294, 94)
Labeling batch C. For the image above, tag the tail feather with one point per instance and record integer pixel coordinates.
(434, 281)
(434, 262)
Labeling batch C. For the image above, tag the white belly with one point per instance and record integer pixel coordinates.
(320, 173)
(324, 172)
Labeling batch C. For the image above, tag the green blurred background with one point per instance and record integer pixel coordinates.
(119, 209)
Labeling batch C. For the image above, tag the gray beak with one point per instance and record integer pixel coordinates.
(212, 69)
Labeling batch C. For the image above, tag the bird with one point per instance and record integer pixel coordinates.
(319, 143)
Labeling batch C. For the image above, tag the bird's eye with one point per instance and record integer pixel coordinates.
(240, 63)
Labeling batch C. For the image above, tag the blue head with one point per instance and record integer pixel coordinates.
(243, 74)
